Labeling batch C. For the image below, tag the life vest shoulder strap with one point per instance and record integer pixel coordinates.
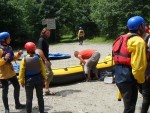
(34, 55)
(120, 40)
(2, 50)
(1, 53)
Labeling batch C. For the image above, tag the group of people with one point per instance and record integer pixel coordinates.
(132, 68)
(132, 65)
(35, 71)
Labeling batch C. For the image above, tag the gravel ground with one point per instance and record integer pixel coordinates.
(69, 48)
(83, 97)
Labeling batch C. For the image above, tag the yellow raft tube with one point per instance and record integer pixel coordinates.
(74, 74)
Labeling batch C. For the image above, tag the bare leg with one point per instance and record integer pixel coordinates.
(47, 91)
(97, 76)
(89, 76)
(47, 83)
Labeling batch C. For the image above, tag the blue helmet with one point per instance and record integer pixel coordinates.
(134, 22)
(4, 35)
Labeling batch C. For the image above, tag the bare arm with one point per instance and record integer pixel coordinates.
(43, 57)
(81, 60)
(42, 54)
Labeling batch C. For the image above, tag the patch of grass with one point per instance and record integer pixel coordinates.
(68, 38)
(99, 40)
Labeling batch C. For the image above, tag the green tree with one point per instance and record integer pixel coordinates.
(69, 14)
(112, 15)
(10, 17)
(32, 18)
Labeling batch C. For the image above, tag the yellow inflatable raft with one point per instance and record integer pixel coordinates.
(74, 74)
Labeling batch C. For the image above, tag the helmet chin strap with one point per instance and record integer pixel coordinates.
(4, 43)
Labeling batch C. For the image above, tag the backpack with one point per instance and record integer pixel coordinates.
(120, 52)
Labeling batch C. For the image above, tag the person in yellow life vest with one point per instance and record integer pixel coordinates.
(32, 75)
(81, 35)
(7, 73)
(129, 75)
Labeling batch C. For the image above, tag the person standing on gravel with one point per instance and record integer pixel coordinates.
(81, 35)
(92, 57)
(7, 72)
(130, 63)
(32, 75)
(43, 50)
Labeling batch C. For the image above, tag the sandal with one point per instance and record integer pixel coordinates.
(49, 93)
(88, 80)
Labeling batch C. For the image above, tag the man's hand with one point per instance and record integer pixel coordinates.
(47, 63)
(82, 62)
(7, 56)
(20, 52)
(22, 84)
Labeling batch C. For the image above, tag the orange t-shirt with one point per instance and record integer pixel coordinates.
(86, 54)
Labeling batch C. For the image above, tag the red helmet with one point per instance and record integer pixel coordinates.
(30, 47)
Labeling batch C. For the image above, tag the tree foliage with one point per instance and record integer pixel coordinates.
(113, 14)
(23, 18)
